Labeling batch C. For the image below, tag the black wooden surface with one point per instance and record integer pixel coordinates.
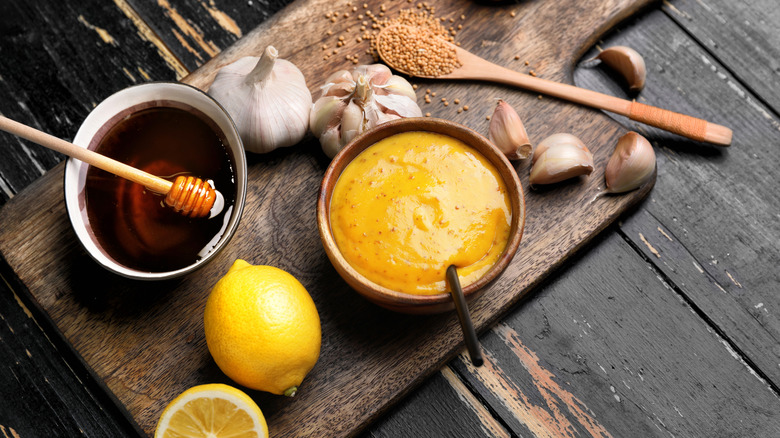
(664, 326)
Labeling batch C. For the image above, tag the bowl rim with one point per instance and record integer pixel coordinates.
(383, 295)
(83, 138)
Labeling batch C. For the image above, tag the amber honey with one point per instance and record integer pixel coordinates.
(132, 223)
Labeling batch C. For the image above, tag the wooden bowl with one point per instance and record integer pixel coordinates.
(399, 301)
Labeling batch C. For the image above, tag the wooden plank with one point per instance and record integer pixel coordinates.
(711, 222)
(44, 394)
(608, 348)
(441, 407)
(742, 35)
(197, 31)
(58, 61)
(156, 329)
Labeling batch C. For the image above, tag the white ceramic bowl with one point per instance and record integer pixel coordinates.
(106, 115)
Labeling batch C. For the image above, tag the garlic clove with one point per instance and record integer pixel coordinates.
(325, 113)
(554, 140)
(631, 165)
(559, 163)
(330, 141)
(507, 132)
(339, 89)
(338, 77)
(376, 74)
(352, 122)
(398, 105)
(628, 62)
(399, 86)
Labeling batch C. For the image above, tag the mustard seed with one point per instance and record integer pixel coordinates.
(418, 51)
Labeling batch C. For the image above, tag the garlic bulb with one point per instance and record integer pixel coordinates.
(628, 62)
(267, 98)
(558, 158)
(355, 101)
(631, 165)
(508, 133)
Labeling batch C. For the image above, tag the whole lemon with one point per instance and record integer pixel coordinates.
(262, 328)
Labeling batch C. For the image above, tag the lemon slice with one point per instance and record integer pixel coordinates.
(212, 411)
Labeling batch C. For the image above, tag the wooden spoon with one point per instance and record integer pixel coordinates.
(187, 195)
(475, 68)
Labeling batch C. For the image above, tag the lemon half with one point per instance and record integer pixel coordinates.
(212, 411)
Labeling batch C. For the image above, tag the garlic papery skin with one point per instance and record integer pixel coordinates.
(629, 63)
(267, 98)
(631, 165)
(354, 101)
(507, 132)
(559, 158)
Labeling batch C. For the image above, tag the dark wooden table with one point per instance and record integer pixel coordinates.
(665, 325)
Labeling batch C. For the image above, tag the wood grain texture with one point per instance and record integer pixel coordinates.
(39, 380)
(195, 31)
(146, 341)
(442, 407)
(70, 56)
(608, 349)
(711, 222)
(749, 44)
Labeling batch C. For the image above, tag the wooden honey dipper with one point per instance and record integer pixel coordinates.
(188, 195)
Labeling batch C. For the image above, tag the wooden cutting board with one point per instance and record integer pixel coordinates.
(145, 340)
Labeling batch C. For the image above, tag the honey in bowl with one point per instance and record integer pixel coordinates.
(132, 224)
(414, 203)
